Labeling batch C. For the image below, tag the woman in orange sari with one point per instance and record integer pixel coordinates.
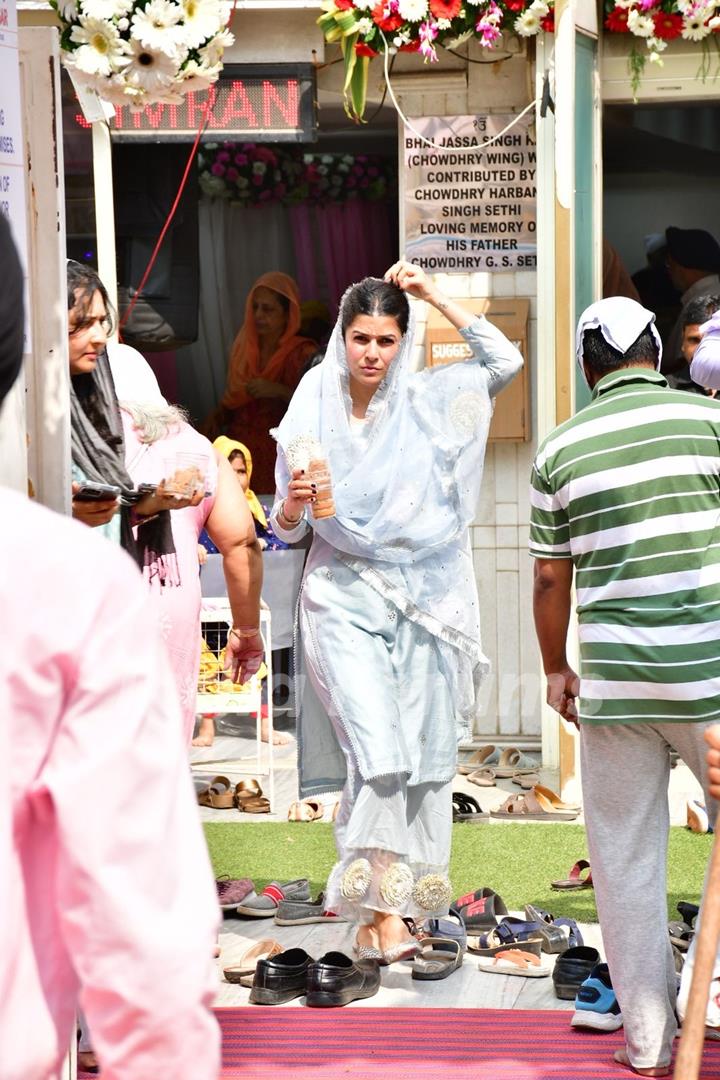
(266, 363)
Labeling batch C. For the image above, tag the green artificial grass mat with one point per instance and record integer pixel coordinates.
(517, 861)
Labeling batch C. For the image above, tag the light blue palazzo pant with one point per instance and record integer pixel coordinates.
(378, 676)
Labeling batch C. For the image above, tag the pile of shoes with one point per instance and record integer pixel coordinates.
(488, 764)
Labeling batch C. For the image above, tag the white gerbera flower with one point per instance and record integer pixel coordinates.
(694, 27)
(211, 54)
(102, 50)
(196, 77)
(105, 9)
(640, 25)
(413, 10)
(150, 70)
(540, 8)
(68, 10)
(202, 20)
(527, 24)
(157, 26)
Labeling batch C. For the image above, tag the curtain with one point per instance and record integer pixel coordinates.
(325, 248)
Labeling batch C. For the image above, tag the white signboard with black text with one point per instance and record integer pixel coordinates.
(469, 209)
(12, 172)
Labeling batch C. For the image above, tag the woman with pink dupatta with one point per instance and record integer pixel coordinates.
(266, 363)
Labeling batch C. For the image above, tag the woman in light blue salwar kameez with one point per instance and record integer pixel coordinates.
(388, 612)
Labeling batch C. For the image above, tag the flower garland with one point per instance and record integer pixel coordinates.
(362, 27)
(255, 175)
(659, 22)
(144, 52)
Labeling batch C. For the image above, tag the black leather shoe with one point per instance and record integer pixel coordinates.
(281, 978)
(572, 969)
(336, 980)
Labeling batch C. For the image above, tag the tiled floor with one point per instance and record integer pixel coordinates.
(234, 756)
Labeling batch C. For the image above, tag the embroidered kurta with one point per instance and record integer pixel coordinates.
(442, 656)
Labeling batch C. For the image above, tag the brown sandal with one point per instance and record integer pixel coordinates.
(249, 798)
(218, 794)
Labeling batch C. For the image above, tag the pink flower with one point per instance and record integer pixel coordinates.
(218, 169)
(264, 195)
(257, 180)
(223, 156)
(232, 174)
(241, 159)
(427, 33)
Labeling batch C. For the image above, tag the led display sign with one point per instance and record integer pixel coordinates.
(262, 104)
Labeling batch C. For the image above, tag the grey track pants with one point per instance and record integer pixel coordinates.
(625, 773)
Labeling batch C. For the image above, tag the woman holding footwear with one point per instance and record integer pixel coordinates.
(388, 609)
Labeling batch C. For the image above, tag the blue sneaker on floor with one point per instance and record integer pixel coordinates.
(596, 1006)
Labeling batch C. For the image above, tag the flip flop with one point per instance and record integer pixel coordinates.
(438, 958)
(245, 968)
(307, 810)
(574, 880)
(532, 807)
(467, 809)
(479, 910)
(514, 962)
(486, 755)
(218, 794)
(512, 761)
(482, 777)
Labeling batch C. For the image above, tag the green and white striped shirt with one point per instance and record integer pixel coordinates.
(629, 489)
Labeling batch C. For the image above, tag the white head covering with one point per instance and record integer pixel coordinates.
(133, 377)
(405, 490)
(705, 366)
(621, 322)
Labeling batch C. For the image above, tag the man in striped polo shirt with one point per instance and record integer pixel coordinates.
(626, 499)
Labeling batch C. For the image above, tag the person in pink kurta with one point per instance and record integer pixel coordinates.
(106, 891)
(178, 607)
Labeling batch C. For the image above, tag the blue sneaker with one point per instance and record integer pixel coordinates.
(596, 1006)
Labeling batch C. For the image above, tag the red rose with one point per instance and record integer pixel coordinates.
(361, 49)
(387, 22)
(617, 21)
(344, 5)
(667, 25)
(515, 5)
(548, 22)
(445, 9)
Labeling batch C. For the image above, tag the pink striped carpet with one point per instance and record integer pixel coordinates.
(419, 1044)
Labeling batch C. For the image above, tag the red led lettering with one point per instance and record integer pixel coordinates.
(288, 109)
(81, 121)
(237, 108)
(154, 114)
